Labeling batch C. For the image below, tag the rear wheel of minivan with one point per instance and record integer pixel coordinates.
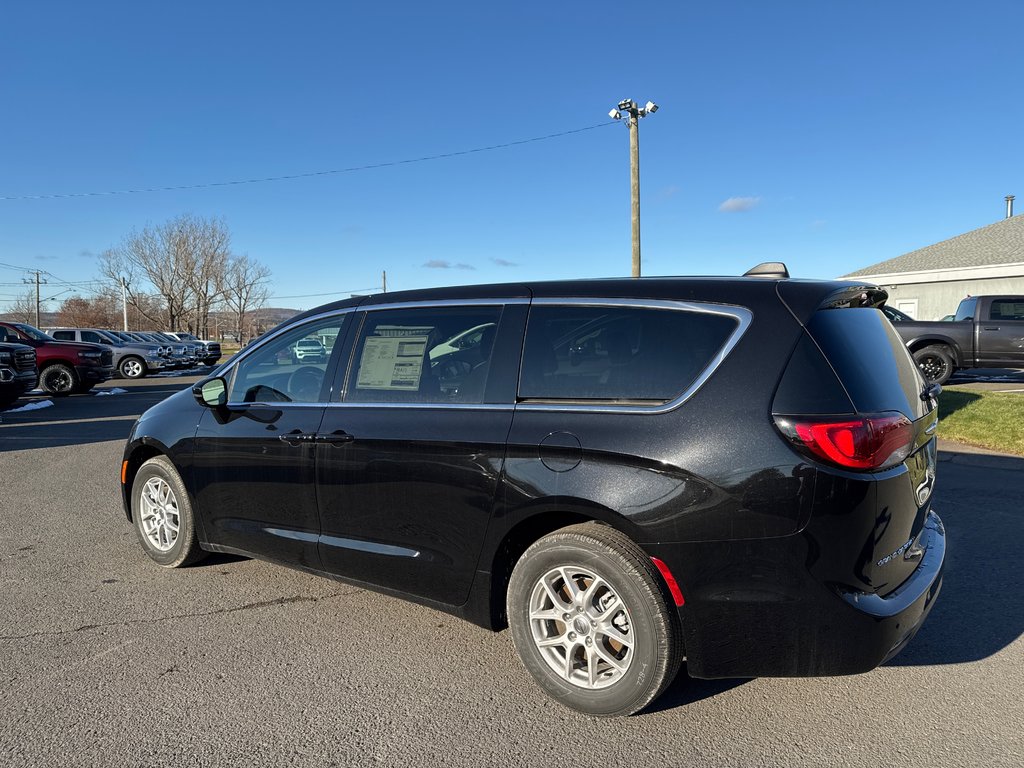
(591, 622)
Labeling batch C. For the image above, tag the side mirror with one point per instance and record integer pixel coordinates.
(212, 393)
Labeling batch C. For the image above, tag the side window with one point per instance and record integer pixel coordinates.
(282, 371)
(1007, 309)
(966, 310)
(93, 337)
(64, 335)
(423, 355)
(617, 353)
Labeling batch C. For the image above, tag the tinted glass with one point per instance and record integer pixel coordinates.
(966, 310)
(429, 355)
(896, 316)
(617, 353)
(64, 335)
(809, 385)
(272, 373)
(93, 337)
(871, 360)
(1007, 309)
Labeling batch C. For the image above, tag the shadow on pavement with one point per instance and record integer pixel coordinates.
(687, 690)
(979, 611)
(79, 419)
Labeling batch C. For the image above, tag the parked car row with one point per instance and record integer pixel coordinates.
(139, 353)
(64, 361)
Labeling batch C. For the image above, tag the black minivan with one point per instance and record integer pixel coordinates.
(732, 472)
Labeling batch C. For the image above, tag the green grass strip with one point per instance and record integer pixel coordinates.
(992, 420)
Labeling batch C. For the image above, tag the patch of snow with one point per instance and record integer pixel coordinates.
(111, 391)
(32, 406)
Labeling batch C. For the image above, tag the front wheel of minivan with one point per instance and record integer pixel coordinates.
(591, 622)
(163, 515)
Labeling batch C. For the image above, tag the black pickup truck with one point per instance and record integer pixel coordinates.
(986, 332)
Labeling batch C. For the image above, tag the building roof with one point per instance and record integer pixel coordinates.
(999, 243)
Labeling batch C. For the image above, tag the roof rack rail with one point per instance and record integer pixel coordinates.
(768, 269)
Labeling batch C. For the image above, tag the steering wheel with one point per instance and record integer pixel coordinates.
(305, 383)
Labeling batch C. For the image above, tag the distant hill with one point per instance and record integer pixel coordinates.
(46, 319)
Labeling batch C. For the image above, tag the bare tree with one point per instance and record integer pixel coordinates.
(244, 289)
(23, 309)
(102, 311)
(183, 260)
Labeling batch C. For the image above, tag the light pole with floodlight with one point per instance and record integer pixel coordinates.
(629, 108)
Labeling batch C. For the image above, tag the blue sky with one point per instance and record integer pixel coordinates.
(857, 130)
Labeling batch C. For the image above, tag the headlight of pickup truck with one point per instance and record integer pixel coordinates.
(6, 358)
(153, 353)
(88, 355)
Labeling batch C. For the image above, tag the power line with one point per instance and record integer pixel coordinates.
(308, 175)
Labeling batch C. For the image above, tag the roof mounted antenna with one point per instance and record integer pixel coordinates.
(768, 269)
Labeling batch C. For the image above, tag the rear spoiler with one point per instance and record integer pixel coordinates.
(855, 296)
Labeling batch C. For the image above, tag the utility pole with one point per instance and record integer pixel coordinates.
(38, 282)
(124, 302)
(384, 281)
(633, 113)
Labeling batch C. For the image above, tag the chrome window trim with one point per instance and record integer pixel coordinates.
(229, 366)
(282, 405)
(741, 315)
(441, 303)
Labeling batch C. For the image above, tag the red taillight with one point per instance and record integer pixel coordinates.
(869, 442)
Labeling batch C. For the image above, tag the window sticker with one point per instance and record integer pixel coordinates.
(393, 361)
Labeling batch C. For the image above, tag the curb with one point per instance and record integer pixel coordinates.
(984, 460)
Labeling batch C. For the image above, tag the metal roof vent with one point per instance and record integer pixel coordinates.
(769, 269)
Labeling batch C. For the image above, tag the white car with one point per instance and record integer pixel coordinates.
(306, 350)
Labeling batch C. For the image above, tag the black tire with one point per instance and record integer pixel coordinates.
(936, 363)
(58, 380)
(154, 479)
(132, 367)
(589, 683)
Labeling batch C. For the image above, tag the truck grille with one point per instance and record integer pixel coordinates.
(25, 360)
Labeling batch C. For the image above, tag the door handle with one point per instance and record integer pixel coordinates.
(336, 438)
(296, 438)
(990, 328)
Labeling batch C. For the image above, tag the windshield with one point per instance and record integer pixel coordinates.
(33, 333)
(110, 337)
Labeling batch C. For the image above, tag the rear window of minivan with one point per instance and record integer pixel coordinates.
(871, 360)
(617, 353)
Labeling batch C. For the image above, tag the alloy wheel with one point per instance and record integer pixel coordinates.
(581, 627)
(160, 519)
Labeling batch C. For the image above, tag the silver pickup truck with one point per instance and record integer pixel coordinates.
(132, 359)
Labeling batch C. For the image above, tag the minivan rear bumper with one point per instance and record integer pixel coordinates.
(899, 615)
(761, 613)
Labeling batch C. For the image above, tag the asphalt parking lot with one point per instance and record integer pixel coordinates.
(106, 659)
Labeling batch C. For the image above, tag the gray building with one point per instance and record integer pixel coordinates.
(928, 283)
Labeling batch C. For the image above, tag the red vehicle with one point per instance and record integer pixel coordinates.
(64, 367)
